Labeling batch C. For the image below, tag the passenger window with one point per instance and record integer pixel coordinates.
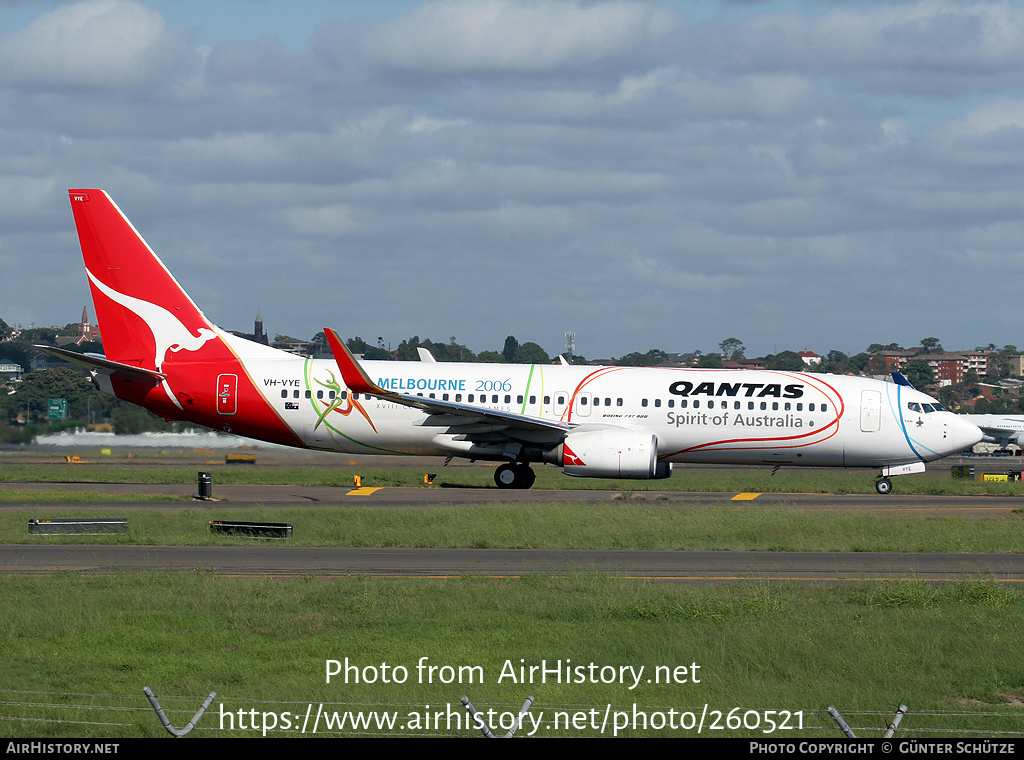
(284, 394)
(824, 407)
(618, 402)
(775, 406)
(657, 402)
(519, 399)
(764, 405)
(810, 407)
(319, 394)
(643, 402)
(533, 399)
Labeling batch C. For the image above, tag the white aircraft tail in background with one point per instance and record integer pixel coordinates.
(609, 422)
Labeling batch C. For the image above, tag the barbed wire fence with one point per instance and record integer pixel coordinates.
(77, 714)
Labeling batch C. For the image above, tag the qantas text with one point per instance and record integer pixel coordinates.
(750, 390)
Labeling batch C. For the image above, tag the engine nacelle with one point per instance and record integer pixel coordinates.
(611, 453)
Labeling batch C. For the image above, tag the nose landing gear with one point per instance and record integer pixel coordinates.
(883, 486)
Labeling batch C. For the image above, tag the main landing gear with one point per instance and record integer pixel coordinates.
(883, 486)
(514, 476)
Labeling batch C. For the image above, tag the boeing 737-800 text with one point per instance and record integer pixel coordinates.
(162, 353)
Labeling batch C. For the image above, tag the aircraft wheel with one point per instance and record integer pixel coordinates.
(527, 474)
(507, 476)
(883, 486)
(514, 476)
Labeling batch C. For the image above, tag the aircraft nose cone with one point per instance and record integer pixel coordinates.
(963, 434)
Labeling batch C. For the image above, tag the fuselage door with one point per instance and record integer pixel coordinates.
(583, 404)
(870, 411)
(560, 399)
(227, 389)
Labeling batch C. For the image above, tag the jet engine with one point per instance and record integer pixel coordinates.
(610, 452)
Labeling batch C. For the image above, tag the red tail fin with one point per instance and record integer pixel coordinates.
(142, 310)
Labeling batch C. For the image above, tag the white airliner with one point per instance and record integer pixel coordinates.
(608, 422)
(1003, 429)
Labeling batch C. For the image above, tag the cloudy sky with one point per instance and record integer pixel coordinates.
(648, 174)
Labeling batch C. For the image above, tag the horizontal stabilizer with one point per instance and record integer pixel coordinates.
(102, 365)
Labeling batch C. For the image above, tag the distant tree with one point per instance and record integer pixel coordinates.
(442, 352)
(930, 346)
(652, 358)
(356, 345)
(490, 357)
(859, 362)
(876, 365)
(732, 348)
(786, 360)
(531, 353)
(999, 362)
(874, 348)
(509, 351)
(89, 347)
(17, 352)
(919, 373)
(836, 362)
(34, 392)
(709, 361)
(47, 335)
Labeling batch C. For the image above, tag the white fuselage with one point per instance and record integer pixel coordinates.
(715, 416)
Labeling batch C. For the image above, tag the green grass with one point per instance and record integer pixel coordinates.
(949, 653)
(561, 525)
(79, 648)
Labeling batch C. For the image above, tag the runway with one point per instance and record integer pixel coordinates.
(283, 560)
(333, 497)
(680, 566)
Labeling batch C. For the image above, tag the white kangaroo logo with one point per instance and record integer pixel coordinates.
(169, 333)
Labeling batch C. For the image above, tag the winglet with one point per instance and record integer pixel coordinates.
(355, 378)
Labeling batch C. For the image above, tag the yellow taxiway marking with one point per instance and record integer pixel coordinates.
(745, 497)
(364, 491)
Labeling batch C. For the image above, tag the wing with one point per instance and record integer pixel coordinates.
(472, 421)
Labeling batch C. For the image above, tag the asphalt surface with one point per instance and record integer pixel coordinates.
(280, 559)
(328, 496)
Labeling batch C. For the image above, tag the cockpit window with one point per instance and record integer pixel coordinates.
(914, 407)
(928, 408)
(939, 408)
